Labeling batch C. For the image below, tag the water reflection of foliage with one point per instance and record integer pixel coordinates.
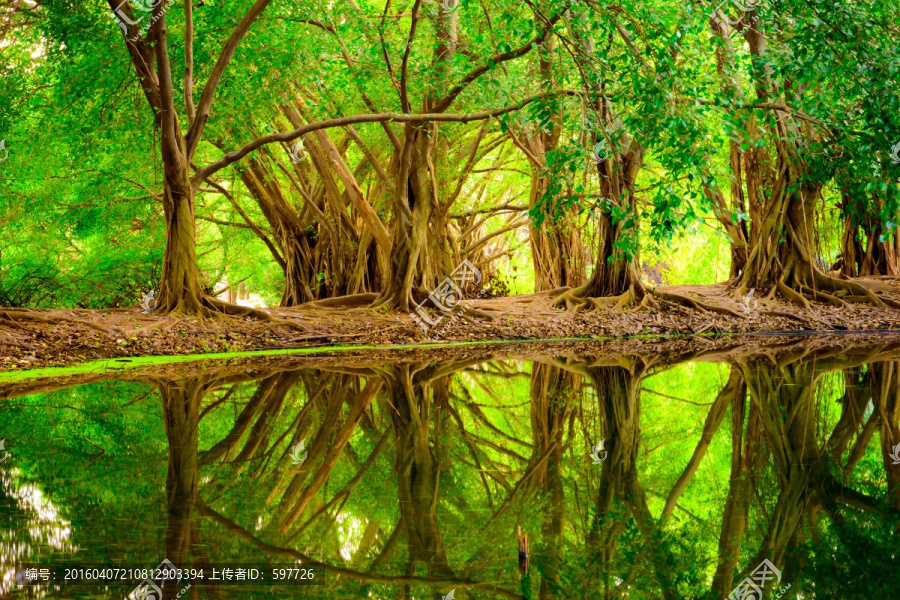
(38, 528)
(419, 472)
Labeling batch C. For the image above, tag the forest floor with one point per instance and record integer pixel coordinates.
(35, 338)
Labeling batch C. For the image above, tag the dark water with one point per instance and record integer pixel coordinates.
(416, 475)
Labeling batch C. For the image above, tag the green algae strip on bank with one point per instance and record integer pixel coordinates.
(112, 365)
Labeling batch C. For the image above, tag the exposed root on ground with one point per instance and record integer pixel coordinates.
(213, 308)
(382, 302)
(165, 323)
(351, 301)
(699, 305)
(49, 318)
(787, 315)
(801, 284)
(575, 299)
(481, 314)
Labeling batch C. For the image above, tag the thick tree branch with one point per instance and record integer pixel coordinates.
(404, 97)
(218, 70)
(289, 136)
(494, 60)
(140, 52)
(189, 60)
(171, 131)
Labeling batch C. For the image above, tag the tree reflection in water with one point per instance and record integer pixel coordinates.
(419, 472)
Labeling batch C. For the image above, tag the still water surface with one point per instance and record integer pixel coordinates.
(632, 475)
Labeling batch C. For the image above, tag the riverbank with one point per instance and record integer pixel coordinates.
(33, 338)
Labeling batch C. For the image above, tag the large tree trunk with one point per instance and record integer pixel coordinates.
(616, 275)
(616, 272)
(782, 201)
(615, 269)
(415, 198)
(557, 250)
(727, 214)
(413, 206)
(180, 286)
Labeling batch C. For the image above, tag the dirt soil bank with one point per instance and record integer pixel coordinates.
(32, 338)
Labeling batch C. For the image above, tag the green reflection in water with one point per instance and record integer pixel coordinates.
(417, 475)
